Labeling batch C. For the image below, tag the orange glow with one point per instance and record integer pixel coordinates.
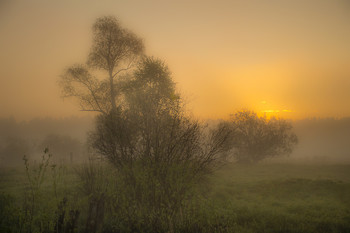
(286, 56)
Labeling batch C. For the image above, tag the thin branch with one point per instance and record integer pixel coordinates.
(129, 66)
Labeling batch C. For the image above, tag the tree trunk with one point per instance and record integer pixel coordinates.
(112, 92)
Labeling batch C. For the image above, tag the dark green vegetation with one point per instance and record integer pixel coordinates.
(236, 198)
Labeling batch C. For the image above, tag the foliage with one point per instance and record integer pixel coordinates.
(159, 153)
(112, 45)
(96, 188)
(237, 198)
(43, 209)
(257, 137)
(8, 213)
(34, 220)
(114, 51)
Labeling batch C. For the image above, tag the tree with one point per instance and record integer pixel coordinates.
(257, 137)
(153, 124)
(114, 50)
(149, 95)
(158, 152)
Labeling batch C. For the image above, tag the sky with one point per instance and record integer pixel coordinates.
(287, 58)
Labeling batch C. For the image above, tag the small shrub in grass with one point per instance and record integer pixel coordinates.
(46, 205)
(95, 190)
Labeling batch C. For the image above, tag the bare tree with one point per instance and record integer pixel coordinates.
(115, 50)
(257, 138)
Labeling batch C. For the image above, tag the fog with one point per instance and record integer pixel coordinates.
(323, 140)
(174, 116)
(64, 137)
(320, 140)
(290, 55)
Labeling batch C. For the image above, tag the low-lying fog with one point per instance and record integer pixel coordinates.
(320, 140)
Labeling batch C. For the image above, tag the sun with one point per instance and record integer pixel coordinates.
(271, 110)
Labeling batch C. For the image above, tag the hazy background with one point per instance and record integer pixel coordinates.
(286, 56)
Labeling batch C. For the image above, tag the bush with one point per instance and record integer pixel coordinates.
(257, 137)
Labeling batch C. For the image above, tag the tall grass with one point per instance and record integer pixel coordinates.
(97, 198)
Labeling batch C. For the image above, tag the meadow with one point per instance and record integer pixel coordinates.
(266, 197)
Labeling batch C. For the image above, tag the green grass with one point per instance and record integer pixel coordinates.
(256, 198)
(284, 197)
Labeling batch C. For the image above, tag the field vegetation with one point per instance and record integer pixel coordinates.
(266, 197)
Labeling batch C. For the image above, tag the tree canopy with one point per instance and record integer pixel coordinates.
(258, 137)
(114, 51)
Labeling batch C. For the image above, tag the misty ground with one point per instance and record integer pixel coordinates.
(309, 191)
(266, 197)
(285, 197)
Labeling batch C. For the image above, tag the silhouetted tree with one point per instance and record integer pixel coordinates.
(257, 137)
(153, 124)
(157, 151)
(114, 50)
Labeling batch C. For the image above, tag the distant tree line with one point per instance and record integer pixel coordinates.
(65, 137)
(319, 137)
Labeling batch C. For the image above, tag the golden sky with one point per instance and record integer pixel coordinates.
(289, 57)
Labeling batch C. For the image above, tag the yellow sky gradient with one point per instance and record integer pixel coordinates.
(224, 55)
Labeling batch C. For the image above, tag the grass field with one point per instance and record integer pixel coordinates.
(242, 198)
(284, 197)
